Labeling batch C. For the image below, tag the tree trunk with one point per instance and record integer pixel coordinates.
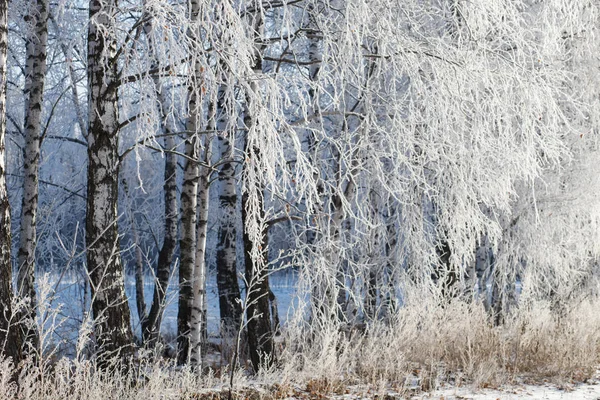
(336, 292)
(260, 335)
(198, 332)
(187, 248)
(227, 280)
(189, 193)
(140, 300)
(445, 274)
(258, 312)
(324, 300)
(496, 299)
(10, 338)
(35, 76)
(151, 329)
(482, 269)
(151, 326)
(109, 301)
(371, 296)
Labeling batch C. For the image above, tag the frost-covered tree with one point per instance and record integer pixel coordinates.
(372, 146)
(189, 194)
(464, 108)
(166, 255)
(226, 123)
(258, 312)
(226, 262)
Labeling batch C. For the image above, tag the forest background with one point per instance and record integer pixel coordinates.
(420, 178)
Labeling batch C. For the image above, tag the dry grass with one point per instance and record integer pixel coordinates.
(426, 344)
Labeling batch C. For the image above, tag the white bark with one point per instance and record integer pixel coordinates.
(109, 301)
(187, 246)
(35, 77)
(10, 344)
(189, 193)
(198, 315)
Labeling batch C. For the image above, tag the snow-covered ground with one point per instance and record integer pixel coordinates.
(532, 392)
(541, 392)
(513, 392)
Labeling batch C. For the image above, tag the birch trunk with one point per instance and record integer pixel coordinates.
(373, 250)
(446, 272)
(314, 108)
(189, 203)
(198, 317)
(187, 247)
(10, 339)
(260, 334)
(109, 301)
(338, 292)
(151, 326)
(324, 294)
(333, 293)
(376, 249)
(496, 298)
(227, 280)
(35, 76)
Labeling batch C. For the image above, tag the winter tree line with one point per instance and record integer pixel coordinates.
(378, 149)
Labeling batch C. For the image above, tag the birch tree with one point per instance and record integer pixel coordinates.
(35, 76)
(187, 246)
(198, 316)
(151, 326)
(404, 145)
(190, 191)
(10, 337)
(429, 161)
(109, 302)
(258, 312)
(227, 278)
(227, 111)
